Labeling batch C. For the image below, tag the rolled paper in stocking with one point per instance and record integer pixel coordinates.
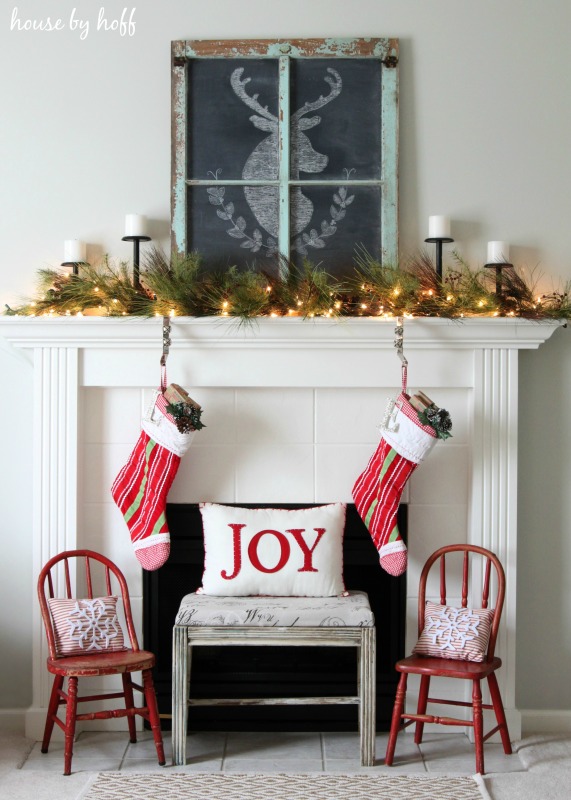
(405, 442)
(141, 488)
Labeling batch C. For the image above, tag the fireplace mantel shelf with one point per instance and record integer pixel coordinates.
(212, 332)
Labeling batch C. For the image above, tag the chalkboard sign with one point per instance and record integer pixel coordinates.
(285, 149)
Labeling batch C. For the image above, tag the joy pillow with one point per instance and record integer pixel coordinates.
(273, 551)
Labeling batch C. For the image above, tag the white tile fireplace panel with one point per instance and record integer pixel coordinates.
(431, 527)
(99, 466)
(443, 477)
(206, 473)
(274, 416)
(110, 416)
(267, 474)
(337, 467)
(349, 416)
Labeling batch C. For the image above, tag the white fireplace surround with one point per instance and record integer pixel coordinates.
(292, 409)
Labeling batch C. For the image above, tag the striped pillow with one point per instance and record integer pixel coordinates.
(460, 633)
(86, 627)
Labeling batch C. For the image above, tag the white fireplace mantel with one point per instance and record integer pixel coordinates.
(478, 355)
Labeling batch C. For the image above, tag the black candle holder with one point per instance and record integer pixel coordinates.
(75, 265)
(136, 240)
(498, 266)
(439, 241)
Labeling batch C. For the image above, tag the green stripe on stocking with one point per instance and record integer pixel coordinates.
(370, 512)
(137, 501)
(395, 535)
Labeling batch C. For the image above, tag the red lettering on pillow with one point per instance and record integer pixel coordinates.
(236, 536)
(285, 550)
(253, 551)
(307, 551)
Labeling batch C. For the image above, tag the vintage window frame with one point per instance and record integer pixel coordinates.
(384, 50)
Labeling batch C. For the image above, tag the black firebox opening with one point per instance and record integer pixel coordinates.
(278, 671)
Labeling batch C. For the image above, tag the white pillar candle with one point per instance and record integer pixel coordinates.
(135, 225)
(74, 251)
(439, 227)
(498, 253)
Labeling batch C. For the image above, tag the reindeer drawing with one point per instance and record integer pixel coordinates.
(262, 163)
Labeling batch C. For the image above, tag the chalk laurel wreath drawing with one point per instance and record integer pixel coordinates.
(262, 164)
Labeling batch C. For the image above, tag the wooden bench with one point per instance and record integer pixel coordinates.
(269, 621)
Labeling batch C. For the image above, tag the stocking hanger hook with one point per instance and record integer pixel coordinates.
(166, 348)
(398, 343)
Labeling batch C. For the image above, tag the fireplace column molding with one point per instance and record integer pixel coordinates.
(480, 355)
(493, 512)
(55, 498)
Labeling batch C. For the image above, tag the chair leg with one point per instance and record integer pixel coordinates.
(367, 696)
(151, 703)
(421, 708)
(129, 703)
(478, 725)
(52, 712)
(499, 712)
(181, 662)
(70, 715)
(398, 708)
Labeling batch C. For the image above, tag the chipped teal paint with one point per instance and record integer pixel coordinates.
(284, 51)
(179, 150)
(284, 159)
(295, 48)
(389, 149)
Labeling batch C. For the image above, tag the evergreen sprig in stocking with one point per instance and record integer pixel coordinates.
(409, 432)
(141, 488)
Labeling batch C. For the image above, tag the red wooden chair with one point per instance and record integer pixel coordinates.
(474, 671)
(93, 664)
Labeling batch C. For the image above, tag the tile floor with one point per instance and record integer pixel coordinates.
(274, 752)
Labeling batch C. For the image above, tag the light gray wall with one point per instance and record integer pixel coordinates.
(485, 136)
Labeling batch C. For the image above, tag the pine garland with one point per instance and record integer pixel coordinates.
(181, 286)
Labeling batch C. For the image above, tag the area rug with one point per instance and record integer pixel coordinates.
(271, 786)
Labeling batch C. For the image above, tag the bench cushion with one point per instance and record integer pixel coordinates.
(352, 610)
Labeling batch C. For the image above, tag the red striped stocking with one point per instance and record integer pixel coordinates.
(404, 444)
(142, 486)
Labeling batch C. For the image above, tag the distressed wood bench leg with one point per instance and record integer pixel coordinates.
(180, 691)
(367, 695)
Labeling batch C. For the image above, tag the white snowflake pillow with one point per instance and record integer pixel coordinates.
(86, 627)
(460, 633)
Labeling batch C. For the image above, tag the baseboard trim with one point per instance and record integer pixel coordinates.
(13, 720)
(545, 721)
(31, 722)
